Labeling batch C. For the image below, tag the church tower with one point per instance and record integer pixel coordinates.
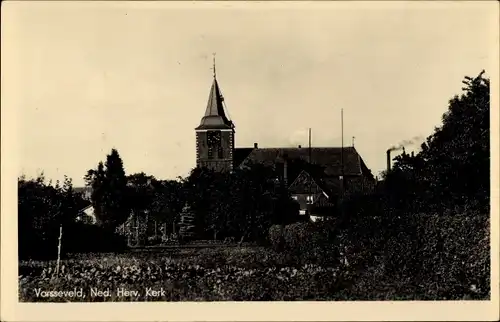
(215, 134)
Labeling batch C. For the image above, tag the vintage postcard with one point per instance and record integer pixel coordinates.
(196, 161)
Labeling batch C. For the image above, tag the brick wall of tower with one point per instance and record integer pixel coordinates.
(201, 147)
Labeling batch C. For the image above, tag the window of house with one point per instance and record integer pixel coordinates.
(309, 199)
(294, 197)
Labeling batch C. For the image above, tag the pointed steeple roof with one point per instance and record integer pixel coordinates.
(215, 116)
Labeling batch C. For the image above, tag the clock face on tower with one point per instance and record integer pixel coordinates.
(214, 143)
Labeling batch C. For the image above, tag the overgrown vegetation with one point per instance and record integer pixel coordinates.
(43, 207)
(423, 234)
(236, 274)
(427, 225)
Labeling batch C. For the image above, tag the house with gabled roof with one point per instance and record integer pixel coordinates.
(315, 198)
(317, 177)
(87, 215)
(338, 170)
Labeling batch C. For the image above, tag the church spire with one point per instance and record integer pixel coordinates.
(215, 99)
(215, 116)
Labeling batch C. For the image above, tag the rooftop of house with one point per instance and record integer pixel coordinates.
(81, 189)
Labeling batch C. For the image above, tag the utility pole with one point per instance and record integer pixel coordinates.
(59, 250)
(310, 188)
(342, 148)
(310, 145)
(342, 163)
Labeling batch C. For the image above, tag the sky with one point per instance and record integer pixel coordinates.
(81, 78)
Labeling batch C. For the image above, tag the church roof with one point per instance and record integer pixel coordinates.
(215, 116)
(327, 157)
(240, 154)
(81, 189)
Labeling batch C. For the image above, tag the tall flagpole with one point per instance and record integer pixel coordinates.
(342, 149)
(310, 145)
(310, 162)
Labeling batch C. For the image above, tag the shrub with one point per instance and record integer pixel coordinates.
(327, 243)
(276, 237)
(362, 228)
(311, 243)
(297, 236)
(450, 252)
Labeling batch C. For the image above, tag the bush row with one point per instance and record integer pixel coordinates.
(439, 255)
(449, 252)
(306, 242)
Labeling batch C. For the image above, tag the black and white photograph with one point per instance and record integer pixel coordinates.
(250, 151)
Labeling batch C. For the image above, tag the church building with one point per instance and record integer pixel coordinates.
(343, 171)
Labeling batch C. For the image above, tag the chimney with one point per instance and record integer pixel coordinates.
(300, 146)
(255, 145)
(285, 170)
(412, 154)
(388, 160)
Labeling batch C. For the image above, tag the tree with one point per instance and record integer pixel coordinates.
(109, 191)
(258, 199)
(42, 209)
(458, 153)
(241, 204)
(255, 200)
(220, 206)
(167, 203)
(198, 190)
(140, 195)
(70, 202)
(140, 192)
(96, 180)
(116, 205)
(453, 168)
